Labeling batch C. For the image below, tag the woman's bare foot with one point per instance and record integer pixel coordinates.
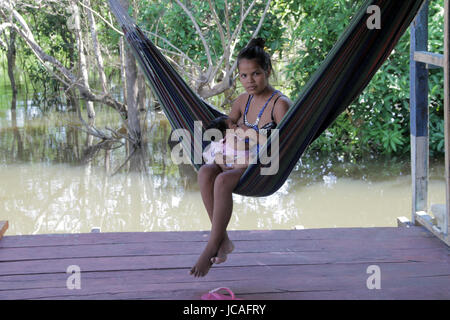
(204, 263)
(226, 247)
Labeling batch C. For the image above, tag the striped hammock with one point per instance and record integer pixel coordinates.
(342, 76)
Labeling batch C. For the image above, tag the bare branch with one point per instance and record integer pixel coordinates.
(101, 17)
(3, 26)
(65, 75)
(255, 32)
(228, 78)
(218, 24)
(227, 21)
(228, 49)
(238, 29)
(182, 70)
(76, 28)
(179, 52)
(261, 20)
(95, 44)
(202, 38)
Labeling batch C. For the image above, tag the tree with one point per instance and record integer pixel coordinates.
(9, 12)
(75, 40)
(11, 56)
(202, 38)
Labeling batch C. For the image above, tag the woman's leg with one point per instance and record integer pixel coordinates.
(206, 177)
(224, 185)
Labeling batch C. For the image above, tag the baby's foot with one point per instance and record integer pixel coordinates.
(226, 247)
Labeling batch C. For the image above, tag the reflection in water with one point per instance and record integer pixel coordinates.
(60, 198)
(53, 180)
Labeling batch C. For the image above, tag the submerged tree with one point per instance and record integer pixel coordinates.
(75, 41)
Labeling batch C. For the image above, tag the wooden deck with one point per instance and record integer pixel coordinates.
(285, 264)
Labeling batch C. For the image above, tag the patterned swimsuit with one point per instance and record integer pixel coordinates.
(221, 148)
(267, 126)
(266, 129)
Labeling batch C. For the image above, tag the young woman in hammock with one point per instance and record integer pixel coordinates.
(261, 107)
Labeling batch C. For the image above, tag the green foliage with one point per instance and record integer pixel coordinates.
(320, 23)
(437, 138)
(378, 122)
(298, 32)
(168, 19)
(50, 31)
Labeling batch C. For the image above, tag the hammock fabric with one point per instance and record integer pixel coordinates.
(341, 77)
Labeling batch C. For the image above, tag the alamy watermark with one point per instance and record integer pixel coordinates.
(374, 280)
(74, 280)
(374, 20)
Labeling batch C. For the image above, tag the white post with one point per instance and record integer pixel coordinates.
(447, 112)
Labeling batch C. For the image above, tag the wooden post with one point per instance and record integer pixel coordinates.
(419, 113)
(447, 111)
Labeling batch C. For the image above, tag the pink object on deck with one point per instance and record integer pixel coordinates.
(214, 295)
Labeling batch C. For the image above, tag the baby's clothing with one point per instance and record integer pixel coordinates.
(223, 152)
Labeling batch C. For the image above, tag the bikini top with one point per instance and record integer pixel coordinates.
(268, 126)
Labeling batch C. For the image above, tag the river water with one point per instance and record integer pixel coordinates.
(50, 183)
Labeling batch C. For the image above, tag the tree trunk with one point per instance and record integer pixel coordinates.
(82, 57)
(97, 52)
(134, 127)
(123, 76)
(11, 56)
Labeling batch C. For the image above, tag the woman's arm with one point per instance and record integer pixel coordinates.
(282, 106)
(236, 108)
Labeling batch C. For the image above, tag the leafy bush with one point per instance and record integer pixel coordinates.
(378, 121)
(168, 19)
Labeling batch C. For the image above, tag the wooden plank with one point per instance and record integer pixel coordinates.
(429, 58)
(265, 264)
(194, 247)
(192, 242)
(339, 279)
(250, 235)
(419, 113)
(3, 228)
(225, 273)
(348, 254)
(425, 221)
(338, 286)
(348, 277)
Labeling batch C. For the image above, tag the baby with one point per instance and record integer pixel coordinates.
(237, 149)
